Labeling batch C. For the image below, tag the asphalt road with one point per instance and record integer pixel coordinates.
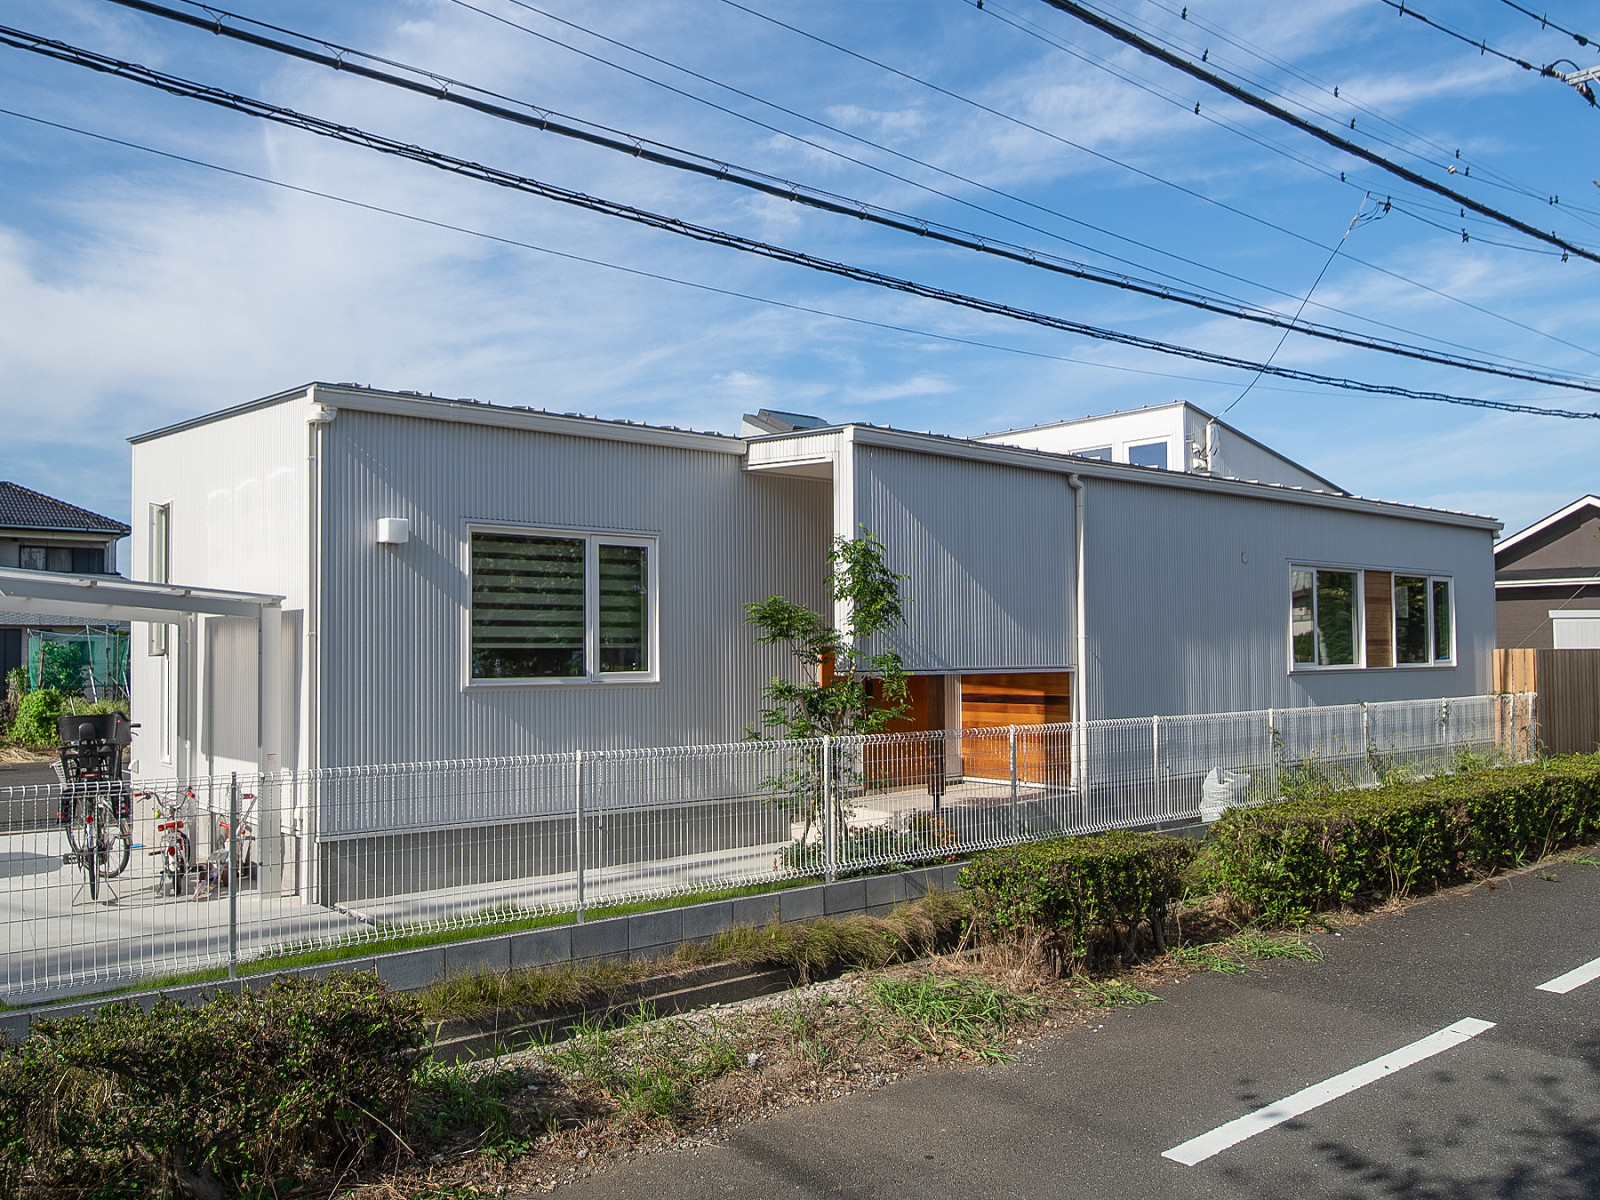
(1512, 1112)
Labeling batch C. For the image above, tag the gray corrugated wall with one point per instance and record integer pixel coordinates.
(1180, 622)
(392, 627)
(989, 554)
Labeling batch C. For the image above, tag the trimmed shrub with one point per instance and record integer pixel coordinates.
(1070, 890)
(1283, 862)
(211, 1100)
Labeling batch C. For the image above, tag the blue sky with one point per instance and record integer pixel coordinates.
(137, 290)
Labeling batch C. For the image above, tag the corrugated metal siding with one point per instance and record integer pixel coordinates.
(801, 447)
(1188, 601)
(394, 615)
(988, 551)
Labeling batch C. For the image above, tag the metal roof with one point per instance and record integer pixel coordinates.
(24, 508)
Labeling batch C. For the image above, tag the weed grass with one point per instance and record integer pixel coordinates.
(936, 1013)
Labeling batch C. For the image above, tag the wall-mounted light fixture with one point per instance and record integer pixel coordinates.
(393, 531)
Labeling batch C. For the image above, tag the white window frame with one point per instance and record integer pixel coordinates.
(1361, 616)
(593, 540)
(159, 553)
(1129, 447)
(1394, 622)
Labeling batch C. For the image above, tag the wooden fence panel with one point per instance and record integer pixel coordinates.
(1568, 685)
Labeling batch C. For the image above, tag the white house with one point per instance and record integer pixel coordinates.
(1173, 437)
(462, 579)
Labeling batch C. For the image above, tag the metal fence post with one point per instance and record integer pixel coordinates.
(1015, 823)
(1157, 791)
(577, 825)
(233, 876)
(830, 826)
(1272, 753)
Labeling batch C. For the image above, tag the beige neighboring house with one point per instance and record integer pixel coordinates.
(1547, 581)
(41, 533)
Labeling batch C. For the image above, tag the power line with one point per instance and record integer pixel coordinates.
(639, 272)
(1154, 178)
(1483, 47)
(1546, 22)
(174, 85)
(1023, 25)
(1478, 44)
(453, 91)
(1146, 46)
(1476, 170)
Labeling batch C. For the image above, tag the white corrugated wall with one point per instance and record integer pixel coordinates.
(988, 554)
(393, 631)
(1188, 600)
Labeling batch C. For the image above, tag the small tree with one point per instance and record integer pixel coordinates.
(843, 689)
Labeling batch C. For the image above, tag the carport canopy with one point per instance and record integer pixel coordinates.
(112, 598)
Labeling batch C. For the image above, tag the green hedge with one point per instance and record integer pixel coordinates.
(240, 1095)
(1283, 862)
(1116, 884)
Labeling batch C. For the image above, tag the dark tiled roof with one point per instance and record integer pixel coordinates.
(24, 508)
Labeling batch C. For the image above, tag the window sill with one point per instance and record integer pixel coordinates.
(562, 682)
(1305, 670)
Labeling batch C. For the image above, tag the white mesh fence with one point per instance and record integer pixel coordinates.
(144, 880)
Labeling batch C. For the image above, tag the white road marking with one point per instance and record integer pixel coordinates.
(1573, 979)
(1197, 1150)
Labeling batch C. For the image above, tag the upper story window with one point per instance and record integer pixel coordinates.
(562, 606)
(1325, 617)
(1149, 454)
(78, 560)
(1424, 620)
(1100, 452)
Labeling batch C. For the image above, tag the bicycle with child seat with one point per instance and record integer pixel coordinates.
(96, 805)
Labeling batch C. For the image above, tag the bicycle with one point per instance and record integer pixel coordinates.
(214, 876)
(96, 805)
(173, 845)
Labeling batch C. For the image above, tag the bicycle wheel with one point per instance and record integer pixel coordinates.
(116, 840)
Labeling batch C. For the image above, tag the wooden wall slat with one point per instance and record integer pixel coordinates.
(1033, 698)
(1380, 618)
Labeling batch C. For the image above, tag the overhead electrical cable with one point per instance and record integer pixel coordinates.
(1489, 177)
(1227, 87)
(1483, 47)
(457, 92)
(1348, 230)
(864, 141)
(1057, 213)
(1404, 207)
(1140, 171)
(638, 272)
(278, 114)
(1546, 23)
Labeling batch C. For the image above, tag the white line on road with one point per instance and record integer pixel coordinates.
(1197, 1150)
(1573, 979)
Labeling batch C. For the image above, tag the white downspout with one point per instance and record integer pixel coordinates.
(1080, 631)
(317, 422)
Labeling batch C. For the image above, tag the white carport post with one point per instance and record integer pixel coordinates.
(112, 598)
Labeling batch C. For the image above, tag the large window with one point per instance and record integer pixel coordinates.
(1325, 617)
(1424, 624)
(562, 606)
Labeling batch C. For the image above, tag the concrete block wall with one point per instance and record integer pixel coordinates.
(640, 935)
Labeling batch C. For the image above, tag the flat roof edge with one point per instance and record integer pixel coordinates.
(467, 412)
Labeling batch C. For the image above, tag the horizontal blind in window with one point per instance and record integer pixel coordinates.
(624, 608)
(527, 606)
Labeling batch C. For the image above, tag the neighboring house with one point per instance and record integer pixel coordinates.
(1547, 581)
(41, 533)
(465, 580)
(1173, 437)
